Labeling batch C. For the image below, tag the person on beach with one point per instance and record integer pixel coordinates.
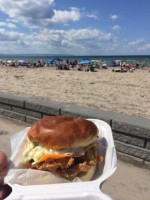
(5, 190)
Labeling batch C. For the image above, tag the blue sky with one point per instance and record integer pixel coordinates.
(78, 27)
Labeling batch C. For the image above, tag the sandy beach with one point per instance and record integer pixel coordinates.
(120, 92)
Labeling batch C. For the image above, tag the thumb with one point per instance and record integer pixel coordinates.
(3, 165)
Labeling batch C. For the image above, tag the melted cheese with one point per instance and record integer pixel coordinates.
(52, 156)
(38, 152)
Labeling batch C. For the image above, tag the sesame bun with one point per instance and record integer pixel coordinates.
(61, 132)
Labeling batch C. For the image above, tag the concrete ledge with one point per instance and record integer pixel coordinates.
(133, 151)
(84, 112)
(44, 106)
(140, 142)
(132, 125)
(11, 99)
(148, 144)
(4, 106)
(27, 112)
(12, 114)
(31, 120)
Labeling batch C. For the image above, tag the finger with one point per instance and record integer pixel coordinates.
(3, 160)
(3, 165)
(3, 173)
(5, 191)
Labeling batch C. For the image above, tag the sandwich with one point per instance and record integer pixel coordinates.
(63, 145)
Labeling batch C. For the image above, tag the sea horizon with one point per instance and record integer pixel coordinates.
(46, 57)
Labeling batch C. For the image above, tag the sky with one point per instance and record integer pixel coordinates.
(75, 27)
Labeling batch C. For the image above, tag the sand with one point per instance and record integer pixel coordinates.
(126, 93)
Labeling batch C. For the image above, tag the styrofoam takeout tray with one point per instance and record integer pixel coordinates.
(90, 190)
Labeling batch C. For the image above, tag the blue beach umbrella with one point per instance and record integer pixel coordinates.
(111, 63)
(85, 61)
(56, 60)
(22, 62)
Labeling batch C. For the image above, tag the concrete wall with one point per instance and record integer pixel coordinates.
(131, 134)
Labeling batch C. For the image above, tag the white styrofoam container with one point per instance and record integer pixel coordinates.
(90, 190)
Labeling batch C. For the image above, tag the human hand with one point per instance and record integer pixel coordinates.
(5, 190)
(3, 166)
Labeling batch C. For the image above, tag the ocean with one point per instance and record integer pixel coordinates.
(34, 58)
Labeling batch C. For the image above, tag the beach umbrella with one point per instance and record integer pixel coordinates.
(85, 62)
(56, 60)
(111, 63)
(22, 62)
(10, 62)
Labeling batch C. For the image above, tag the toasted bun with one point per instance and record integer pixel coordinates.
(63, 132)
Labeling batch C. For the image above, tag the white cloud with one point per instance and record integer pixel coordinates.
(9, 25)
(38, 13)
(42, 14)
(116, 28)
(92, 16)
(28, 8)
(9, 36)
(65, 17)
(72, 41)
(114, 17)
(136, 42)
(145, 47)
(12, 20)
(81, 41)
(136, 46)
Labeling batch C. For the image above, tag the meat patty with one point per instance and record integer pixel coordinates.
(68, 167)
